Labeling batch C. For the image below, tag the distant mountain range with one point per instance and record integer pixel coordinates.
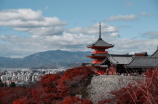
(47, 59)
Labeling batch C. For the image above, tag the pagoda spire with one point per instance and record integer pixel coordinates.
(100, 30)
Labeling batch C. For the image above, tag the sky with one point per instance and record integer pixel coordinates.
(31, 26)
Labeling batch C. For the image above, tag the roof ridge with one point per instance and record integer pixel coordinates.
(154, 52)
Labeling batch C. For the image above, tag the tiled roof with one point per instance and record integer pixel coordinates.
(120, 59)
(143, 62)
(101, 43)
(155, 54)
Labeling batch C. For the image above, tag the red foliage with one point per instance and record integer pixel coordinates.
(20, 101)
(75, 100)
(46, 89)
(49, 82)
(8, 95)
(73, 79)
(70, 73)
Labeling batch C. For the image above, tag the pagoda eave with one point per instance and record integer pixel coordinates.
(95, 57)
(95, 47)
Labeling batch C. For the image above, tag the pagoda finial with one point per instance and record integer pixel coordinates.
(100, 30)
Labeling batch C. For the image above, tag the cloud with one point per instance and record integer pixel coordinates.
(30, 21)
(48, 33)
(94, 29)
(145, 14)
(131, 46)
(51, 30)
(131, 17)
(114, 34)
(151, 33)
(18, 46)
(129, 3)
(35, 23)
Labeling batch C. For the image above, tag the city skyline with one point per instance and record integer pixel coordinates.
(27, 27)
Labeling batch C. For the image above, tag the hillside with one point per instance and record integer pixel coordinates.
(45, 59)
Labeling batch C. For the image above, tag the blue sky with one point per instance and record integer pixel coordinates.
(32, 26)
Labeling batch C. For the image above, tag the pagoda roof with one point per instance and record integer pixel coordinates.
(100, 43)
(98, 55)
(155, 54)
(143, 62)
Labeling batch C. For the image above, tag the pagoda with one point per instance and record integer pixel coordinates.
(99, 54)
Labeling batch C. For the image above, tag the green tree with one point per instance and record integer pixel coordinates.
(12, 84)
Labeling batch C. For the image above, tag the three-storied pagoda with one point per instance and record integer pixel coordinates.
(100, 54)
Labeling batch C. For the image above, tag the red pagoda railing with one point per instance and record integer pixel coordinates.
(96, 61)
(100, 52)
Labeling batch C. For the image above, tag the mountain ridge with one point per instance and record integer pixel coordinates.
(46, 58)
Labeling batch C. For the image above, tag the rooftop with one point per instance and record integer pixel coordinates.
(155, 54)
(100, 43)
(143, 62)
(120, 59)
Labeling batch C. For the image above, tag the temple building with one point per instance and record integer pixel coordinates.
(140, 64)
(112, 64)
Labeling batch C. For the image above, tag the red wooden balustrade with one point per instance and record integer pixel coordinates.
(96, 61)
(100, 52)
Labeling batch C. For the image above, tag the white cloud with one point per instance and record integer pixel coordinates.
(45, 36)
(114, 34)
(51, 30)
(145, 14)
(20, 14)
(21, 46)
(35, 23)
(131, 17)
(134, 45)
(94, 29)
(30, 21)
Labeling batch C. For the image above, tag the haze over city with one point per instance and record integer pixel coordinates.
(31, 26)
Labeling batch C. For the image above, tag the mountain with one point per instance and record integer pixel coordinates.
(7, 62)
(45, 59)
